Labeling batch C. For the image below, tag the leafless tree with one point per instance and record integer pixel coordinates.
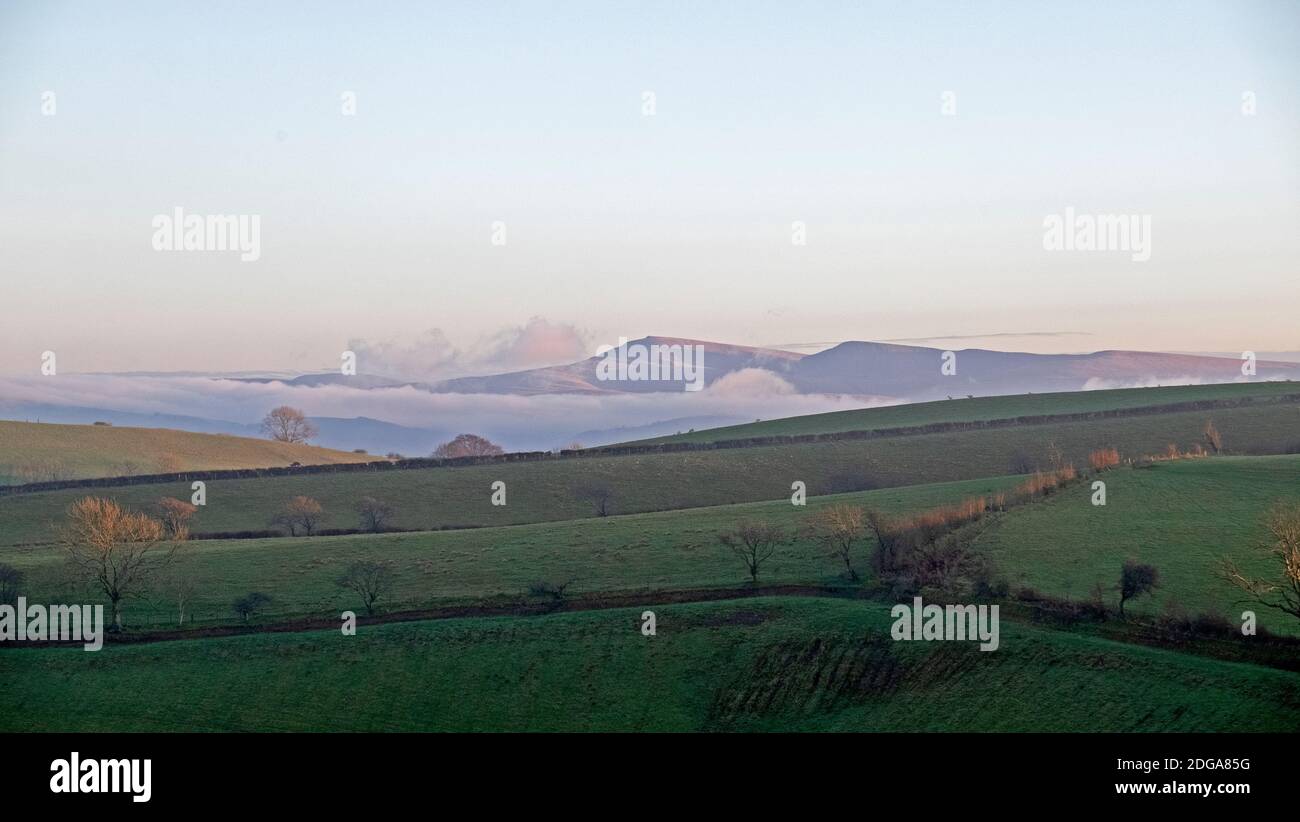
(374, 513)
(114, 549)
(299, 513)
(286, 424)
(754, 542)
(369, 580)
(599, 495)
(175, 516)
(181, 586)
(1213, 439)
(839, 528)
(1282, 525)
(556, 591)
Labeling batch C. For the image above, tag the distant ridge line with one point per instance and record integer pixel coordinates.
(662, 448)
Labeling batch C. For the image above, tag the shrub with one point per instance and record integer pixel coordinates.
(1212, 437)
(1136, 579)
(1103, 458)
(249, 604)
(555, 591)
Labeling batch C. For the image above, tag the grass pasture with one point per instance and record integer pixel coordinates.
(430, 498)
(1181, 516)
(977, 409)
(780, 664)
(655, 551)
(84, 451)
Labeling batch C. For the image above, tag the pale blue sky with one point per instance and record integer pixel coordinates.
(378, 226)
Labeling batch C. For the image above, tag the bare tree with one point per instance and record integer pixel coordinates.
(180, 584)
(1055, 456)
(839, 528)
(286, 424)
(11, 581)
(754, 542)
(599, 495)
(369, 580)
(556, 591)
(374, 513)
(113, 549)
(299, 513)
(175, 516)
(1213, 439)
(1135, 579)
(1282, 525)
(467, 445)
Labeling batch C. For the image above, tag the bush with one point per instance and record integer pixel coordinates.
(1136, 579)
(249, 604)
(555, 591)
(1103, 458)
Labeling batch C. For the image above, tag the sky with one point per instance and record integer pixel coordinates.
(376, 229)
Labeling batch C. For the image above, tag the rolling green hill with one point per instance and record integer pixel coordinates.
(36, 452)
(1181, 516)
(666, 550)
(552, 490)
(986, 408)
(789, 664)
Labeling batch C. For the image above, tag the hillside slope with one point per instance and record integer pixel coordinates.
(558, 489)
(1181, 516)
(35, 452)
(795, 664)
(989, 408)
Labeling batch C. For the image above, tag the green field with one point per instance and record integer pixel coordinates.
(658, 551)
(431, 498)
(35, 452)
(778, 664)
(984, 408)
(775, 660)
(1180, 516)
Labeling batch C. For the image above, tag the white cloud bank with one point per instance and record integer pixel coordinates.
(517, 422)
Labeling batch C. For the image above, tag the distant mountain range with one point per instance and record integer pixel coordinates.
(871, 370)
(557, 405)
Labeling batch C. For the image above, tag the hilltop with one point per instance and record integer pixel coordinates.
(35, 452)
